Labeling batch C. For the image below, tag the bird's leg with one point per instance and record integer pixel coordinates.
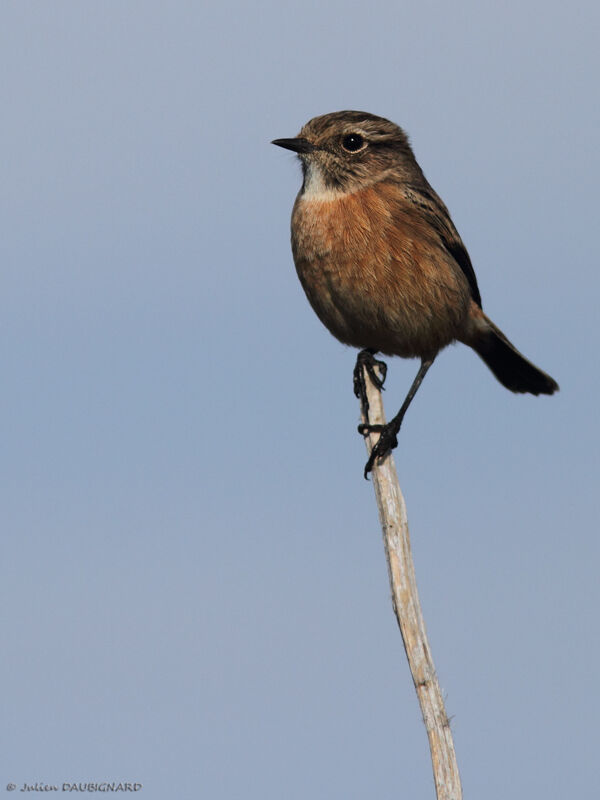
(366, 358)
(388, 438)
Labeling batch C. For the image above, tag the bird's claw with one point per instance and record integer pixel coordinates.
(366, 359)
(388, 440)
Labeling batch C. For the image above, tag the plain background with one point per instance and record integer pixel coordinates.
(194, 587)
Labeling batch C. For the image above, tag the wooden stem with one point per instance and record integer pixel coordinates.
(405, 599)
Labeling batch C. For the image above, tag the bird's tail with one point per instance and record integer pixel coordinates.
(511, 368)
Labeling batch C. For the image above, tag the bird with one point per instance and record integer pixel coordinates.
(382, 263)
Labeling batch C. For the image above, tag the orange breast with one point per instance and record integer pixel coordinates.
(376, 273)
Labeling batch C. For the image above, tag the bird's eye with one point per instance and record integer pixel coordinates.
(353, 142)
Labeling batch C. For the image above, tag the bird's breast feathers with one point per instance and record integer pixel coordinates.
(372, 268)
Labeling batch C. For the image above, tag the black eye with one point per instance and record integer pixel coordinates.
(353, 142)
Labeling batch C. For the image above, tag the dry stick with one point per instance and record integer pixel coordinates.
(405, 598)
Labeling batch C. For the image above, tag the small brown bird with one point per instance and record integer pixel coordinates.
(381, 262)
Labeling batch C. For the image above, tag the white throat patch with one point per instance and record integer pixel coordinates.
(315, 187)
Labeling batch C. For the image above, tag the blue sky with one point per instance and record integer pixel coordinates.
(195, 592)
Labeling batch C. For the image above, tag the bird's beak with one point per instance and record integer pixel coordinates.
(298, 145)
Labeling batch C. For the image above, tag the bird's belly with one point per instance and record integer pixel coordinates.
(375, 281)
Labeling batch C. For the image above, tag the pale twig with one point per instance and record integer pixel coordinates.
(405, 599)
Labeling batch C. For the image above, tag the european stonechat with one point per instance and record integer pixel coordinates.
(381, 262)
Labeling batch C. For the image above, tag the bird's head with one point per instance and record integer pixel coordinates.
(349, 150)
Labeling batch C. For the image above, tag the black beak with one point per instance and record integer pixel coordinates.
(297, 145)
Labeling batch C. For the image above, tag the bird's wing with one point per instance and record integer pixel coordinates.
(438, 218)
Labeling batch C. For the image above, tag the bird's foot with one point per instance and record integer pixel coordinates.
(388, 440)
(366, 358)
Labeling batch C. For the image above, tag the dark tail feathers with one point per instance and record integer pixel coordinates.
(509, 366)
